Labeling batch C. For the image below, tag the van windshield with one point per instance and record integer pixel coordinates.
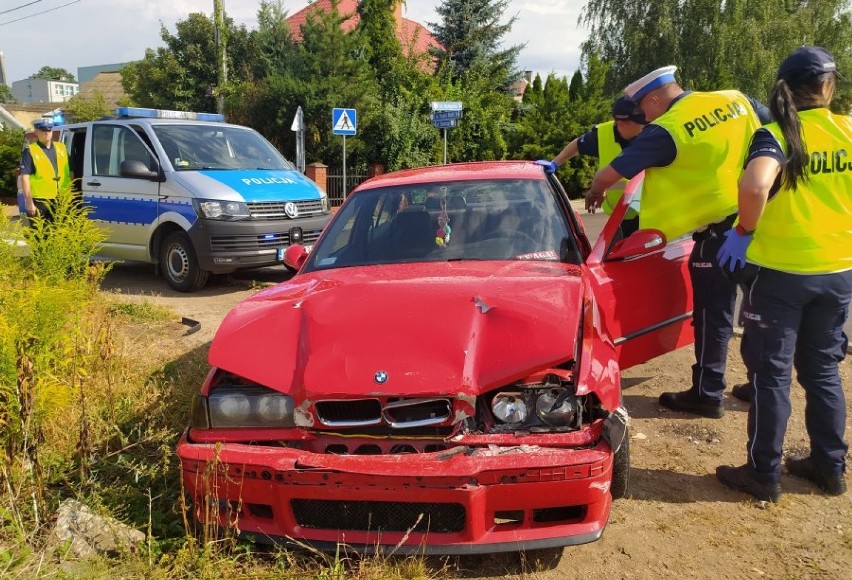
(195, 147)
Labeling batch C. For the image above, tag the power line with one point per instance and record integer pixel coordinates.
(19, 7)
(39, 13)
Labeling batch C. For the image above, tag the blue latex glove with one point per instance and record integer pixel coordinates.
(733, 250)
(549, 166)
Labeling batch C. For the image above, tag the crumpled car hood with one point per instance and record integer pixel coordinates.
(426, 329)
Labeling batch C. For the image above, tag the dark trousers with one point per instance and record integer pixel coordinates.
(714, 300)
(796, 321)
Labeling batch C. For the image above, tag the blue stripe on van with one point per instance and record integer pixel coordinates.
(138, 211)
(267, 185)
(122, 210)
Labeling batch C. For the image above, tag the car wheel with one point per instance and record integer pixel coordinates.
(179, 263)
(621, 470)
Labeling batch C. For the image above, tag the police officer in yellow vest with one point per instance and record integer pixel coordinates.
(605, 141)
(44, 171)
(795, 229)
(692, 153)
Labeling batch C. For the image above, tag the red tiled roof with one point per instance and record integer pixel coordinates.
(409, 33)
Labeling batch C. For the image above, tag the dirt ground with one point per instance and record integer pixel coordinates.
(678, 520)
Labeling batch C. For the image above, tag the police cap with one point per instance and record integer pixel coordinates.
(43, 124)
(654, 79)
(624, 108)
(806, 61)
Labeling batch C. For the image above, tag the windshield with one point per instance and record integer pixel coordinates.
(499, 219)
(194, 147)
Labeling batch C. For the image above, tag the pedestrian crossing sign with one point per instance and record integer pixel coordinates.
(344, 121)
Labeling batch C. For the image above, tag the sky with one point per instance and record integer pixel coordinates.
(77, 33)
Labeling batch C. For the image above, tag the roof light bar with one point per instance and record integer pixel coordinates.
(140, 112)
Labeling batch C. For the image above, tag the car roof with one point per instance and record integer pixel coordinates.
(458, 172)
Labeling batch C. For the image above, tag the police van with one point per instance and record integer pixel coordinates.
(191, 194)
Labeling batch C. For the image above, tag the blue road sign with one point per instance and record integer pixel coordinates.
(446, 115)
(344, 121)
(447, 105)
(444, 124)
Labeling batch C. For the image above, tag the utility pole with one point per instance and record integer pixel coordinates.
(221, 38)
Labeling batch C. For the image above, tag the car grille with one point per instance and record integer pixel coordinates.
(274, 210)
(397, 413)
(379, 516)
(248, 243)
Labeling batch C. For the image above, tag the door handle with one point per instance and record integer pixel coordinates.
(94, 183)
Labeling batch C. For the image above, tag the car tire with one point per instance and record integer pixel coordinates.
(621, 470)
(179, 263)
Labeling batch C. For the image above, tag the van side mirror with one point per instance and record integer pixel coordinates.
(639, 243)
(295, 255)
(137, 169)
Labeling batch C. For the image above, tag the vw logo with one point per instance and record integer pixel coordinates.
(381, 377)
(291, 209)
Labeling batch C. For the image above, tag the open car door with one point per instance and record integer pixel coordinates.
(644, 293)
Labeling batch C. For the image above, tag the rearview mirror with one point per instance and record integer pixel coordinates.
(639, 243)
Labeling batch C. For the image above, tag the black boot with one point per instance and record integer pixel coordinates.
(805, 468)
(689, 402)
(741, 479)
(742, 392)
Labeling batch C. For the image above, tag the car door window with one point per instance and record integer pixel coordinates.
(113, 144)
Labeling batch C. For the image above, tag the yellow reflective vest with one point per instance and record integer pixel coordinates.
(809, 230)
(609, 149)
(45, 183)
(711, 132)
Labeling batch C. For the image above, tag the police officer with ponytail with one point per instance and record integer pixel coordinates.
(795, 230)
(692, 153)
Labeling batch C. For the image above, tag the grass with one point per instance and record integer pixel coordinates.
(92, 401)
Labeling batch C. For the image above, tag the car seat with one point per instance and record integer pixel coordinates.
(412, 235)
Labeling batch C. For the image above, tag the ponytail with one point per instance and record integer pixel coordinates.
(785, 113)
(785, 101)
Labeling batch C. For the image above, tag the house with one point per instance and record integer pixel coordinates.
(108, 84)
(34, 90)
(413, 36)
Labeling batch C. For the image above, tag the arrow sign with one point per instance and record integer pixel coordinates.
(446, 115)
(298, 121)
(344, 121)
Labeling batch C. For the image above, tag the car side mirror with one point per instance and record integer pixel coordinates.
(639, 243)
(295, 255)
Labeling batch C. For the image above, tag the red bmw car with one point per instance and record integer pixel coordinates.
(442, 375)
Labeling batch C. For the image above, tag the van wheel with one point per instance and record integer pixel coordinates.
(621, 470)
(180, 264)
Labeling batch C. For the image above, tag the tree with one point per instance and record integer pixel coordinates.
(183, 74)
(6, 95)
(82, 108)
(50, 73)
(11, 143)
(716, 45)
(472, 35)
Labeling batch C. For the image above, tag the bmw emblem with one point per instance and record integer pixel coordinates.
(291, 209)
(381, 377)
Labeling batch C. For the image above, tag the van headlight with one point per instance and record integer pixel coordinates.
(324, 202)
(212, 209)
(242, 407)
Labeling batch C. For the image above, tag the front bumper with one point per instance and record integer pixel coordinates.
(227, 246)
(462, 500)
